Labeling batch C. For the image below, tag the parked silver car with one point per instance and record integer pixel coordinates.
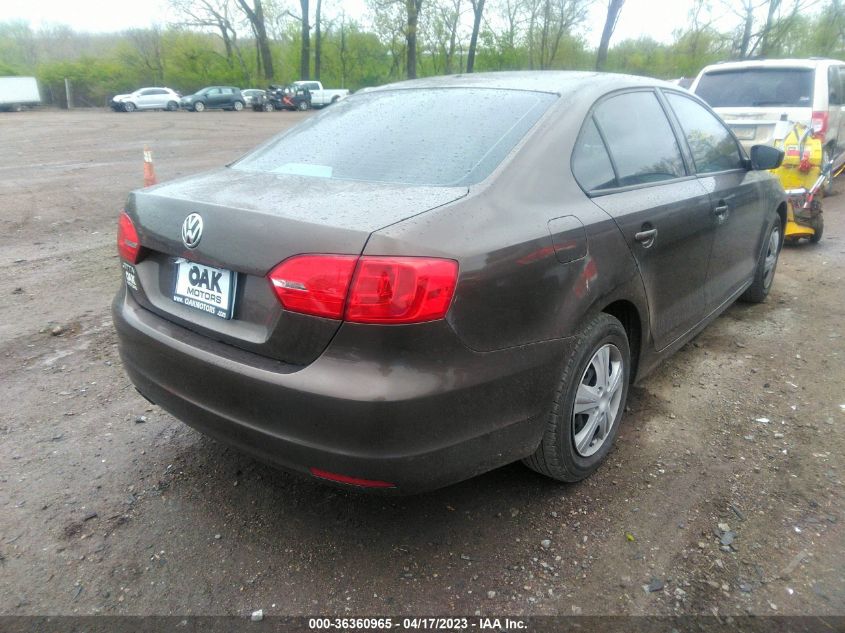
(147, 99)
(250, 96)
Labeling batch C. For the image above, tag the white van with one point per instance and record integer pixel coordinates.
(751, 96)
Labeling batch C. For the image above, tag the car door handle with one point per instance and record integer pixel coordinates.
(646, 237)
(721, 211)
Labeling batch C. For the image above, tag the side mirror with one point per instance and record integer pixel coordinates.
(765, 157)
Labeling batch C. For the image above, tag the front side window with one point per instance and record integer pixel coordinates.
(712, 145)
(411, 136)
(639, 139)
(590, 162)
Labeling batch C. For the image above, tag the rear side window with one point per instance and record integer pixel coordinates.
(639, 138)
(411, 136)
(834, 86)
(757, 88)
(713, 147)
(590, 162)
(841, 71)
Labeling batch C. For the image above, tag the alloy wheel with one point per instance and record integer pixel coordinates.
(597, 400)
(771, 259)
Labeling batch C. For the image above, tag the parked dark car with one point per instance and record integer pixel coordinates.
(214, 97)
(398, 294)
(290, 97)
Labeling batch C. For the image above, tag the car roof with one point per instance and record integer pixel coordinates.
(551, 81)
(811, 62)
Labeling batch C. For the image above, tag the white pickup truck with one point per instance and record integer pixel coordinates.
(16, 92)
(321, 97)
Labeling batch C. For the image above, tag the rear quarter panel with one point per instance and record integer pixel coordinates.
(512, 289)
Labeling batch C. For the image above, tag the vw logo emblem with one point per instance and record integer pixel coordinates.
(192, 230)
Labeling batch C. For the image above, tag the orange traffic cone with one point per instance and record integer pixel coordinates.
(149, 169)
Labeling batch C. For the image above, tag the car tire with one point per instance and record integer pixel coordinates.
(269, 107)
(574, 444)
(767, 262)
(827, 153)
(302, 106)
(199, 106)
(172, 106)
(128, 106)
(818, 228)
(237, 106)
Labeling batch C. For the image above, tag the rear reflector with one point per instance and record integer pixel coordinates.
(128, 245)
(352, 481)
(367, 289)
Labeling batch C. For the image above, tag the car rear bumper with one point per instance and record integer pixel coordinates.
(419, 415)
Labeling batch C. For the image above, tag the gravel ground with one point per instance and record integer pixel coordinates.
(723, 496)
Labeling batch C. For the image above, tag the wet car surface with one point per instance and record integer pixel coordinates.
(399, 307)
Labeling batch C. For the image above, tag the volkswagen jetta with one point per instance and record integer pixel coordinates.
(399, 294)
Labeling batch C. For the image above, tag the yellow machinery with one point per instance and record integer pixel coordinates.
(802, 175)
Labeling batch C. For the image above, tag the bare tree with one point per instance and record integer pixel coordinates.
(147, 43)
(318, 36)
(441, 31)
(548, 21)
(763, 38)
(305, 38)
(255, 15)
(477, 12)
(613, 9)
(413, 8)
(215, 14)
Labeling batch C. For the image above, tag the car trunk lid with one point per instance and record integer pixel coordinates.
(250, 222)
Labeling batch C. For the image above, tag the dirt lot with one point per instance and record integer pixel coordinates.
(111, 506)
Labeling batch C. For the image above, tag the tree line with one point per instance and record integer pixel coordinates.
(252, 43)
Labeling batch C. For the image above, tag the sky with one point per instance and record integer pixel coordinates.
(655, 18)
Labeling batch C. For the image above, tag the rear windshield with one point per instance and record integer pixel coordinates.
(757, 88)
(445, 137)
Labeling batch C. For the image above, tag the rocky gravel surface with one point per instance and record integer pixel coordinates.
(723, 496)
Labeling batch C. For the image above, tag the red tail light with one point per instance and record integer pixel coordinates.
(401, 289)
(353, 481)
(819, 124)
(314, 284)
(128, 245)
(389, 290)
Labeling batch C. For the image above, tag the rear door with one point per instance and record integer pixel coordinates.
(160, 98)
(661, 209)
(214, 97)
(736, 215)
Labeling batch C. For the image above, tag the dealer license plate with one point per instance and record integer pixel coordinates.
(211, 290)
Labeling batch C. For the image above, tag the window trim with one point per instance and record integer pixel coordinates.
(693, 169)
(594, 193)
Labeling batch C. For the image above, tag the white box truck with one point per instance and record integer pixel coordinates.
(16, 92)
